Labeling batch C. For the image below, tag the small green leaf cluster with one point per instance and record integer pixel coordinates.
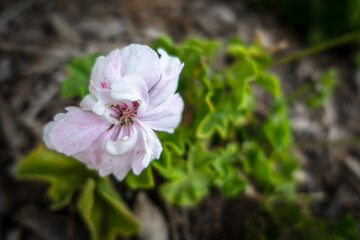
(324, 87)
(223, 141)
(316, 92)
(98, 202)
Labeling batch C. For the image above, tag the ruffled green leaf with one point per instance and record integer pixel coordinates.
(255, 52)
(85, 205)
(175, 141)
(104, 212)
(64, 174)
(258, 165)
(189, 181)
(209, 48)
(165, 161)
(166, 43)
(144, 180)
(227, 177)
(191, 56)
(238, 76)
(277, 127)
(216, 122)
(118, 218)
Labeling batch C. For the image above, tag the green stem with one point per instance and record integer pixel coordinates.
(317, 48)
(349, 141)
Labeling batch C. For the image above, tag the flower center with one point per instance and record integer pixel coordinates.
(123, 113)
(126, 115)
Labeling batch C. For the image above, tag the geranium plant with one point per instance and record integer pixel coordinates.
(223, 141)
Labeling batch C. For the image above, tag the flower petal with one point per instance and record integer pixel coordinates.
(137, 156)
(91, 156)
(119, 165)
(74, 131)
(98, 100)
(126, 142)
(131, 88)
(140, 61)
(88, 102)
(131, 145)
(106, 70)
(97, 72)
(166, 116)
(151, 143)
(170, 71)
(96, 157)
(46, 133)
(136, 152)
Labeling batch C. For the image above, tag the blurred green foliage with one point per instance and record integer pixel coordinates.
(288, 220)
(319, 19)
(323, 88)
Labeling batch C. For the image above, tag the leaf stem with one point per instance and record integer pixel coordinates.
(348, 141)
(317, 48)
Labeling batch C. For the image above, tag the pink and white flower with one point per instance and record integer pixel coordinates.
(132, 93)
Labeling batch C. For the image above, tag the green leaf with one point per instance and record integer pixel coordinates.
(256, 164)
(78, 82)
(118, 218)
(227, 177)
(191, 57)
(175, 141)
(187, 191)
(166, 43)
(255, 52)
(209, 48)
(104, 211)
(238, 75)
(277, 127)
(286, 163)
(270, 83)
(144, 180)
(324, 88)
(188, 182)
(215, 122)
(237, 49)
(85, 205)
(65, 174)
(164, 163)
(202, 96)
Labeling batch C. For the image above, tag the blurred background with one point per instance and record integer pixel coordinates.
(38, 38)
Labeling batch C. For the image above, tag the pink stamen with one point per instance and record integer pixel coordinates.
(103, 85)
(126, 114)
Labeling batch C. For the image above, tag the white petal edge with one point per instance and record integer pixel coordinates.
(166, 116)
(46, 133)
